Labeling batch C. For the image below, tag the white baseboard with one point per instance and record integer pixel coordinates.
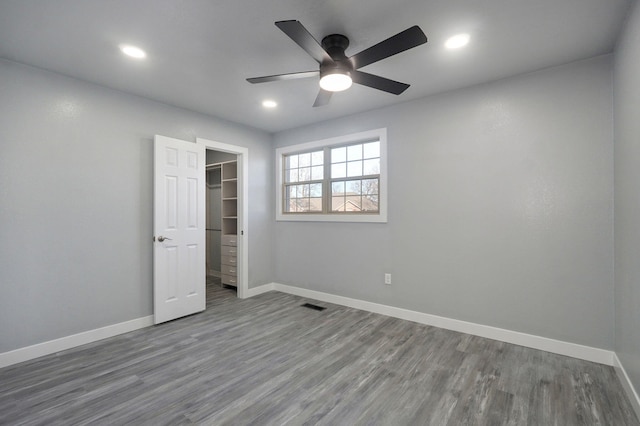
(258, 290)
(68, 342)
(574, 350)
(627, 385)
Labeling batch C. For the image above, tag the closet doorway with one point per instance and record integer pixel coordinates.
(226, 215)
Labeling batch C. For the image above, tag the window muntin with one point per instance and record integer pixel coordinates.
(342, 179)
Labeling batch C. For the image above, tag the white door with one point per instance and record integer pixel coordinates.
(179, 229)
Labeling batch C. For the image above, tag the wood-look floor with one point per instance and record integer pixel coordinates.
(267, 360)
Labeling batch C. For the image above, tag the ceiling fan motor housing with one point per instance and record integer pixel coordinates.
(335, 45)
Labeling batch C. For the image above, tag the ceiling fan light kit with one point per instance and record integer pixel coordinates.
(335, 82)
(337, 71)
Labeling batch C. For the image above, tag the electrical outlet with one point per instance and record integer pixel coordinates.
(387, 279)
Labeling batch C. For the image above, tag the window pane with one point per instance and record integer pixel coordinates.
(302, 191)
(353, 187)
(370, 203)
(315, 204)
(287, 198)
(304, 174)
(372, 150)
(337, 188)
(291, 191)
(290, 198)
(315, 190)
(338, 170)
(317, 158)
(304, 159)
(292, 175)
(291, 161)
(354, 203)
(317, 173)
(354, 152)
(370, 186)
(338, 155)
(372, 167)
(303, 204)
(354, 168)
(337, 204)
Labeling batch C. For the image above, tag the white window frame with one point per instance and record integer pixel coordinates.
(379, 217)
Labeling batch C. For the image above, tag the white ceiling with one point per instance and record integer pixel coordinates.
(201, 51)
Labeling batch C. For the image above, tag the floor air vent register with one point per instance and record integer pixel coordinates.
(314, 307)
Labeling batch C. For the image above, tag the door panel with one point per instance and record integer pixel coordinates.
(179, 229)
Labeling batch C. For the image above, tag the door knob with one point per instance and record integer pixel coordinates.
(161, 238)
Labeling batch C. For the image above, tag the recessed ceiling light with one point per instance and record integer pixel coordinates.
(269, 103)
(457, 41)
(133, 51)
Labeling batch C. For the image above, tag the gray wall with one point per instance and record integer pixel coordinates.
(76, 202)
(500, 208)
(627, 197)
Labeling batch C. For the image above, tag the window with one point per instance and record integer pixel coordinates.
(339, 179)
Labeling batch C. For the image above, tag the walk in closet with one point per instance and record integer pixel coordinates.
(222, 219)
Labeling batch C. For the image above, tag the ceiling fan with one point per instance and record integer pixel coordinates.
(337, 71)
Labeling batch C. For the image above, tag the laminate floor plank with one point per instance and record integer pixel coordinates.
(267, 360)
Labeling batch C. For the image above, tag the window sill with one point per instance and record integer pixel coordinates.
(350, 218)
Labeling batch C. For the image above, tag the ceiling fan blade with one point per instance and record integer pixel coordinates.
(280, 77)
(322, 98)
(378, 82)
(298, 33)
(400, 42)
